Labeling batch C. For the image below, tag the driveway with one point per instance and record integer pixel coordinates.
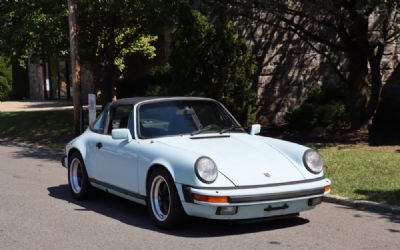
(16, 106)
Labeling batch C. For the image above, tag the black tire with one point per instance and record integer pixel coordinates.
(78, 180)
(166, 214)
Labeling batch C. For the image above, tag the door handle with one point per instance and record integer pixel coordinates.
(99, 145)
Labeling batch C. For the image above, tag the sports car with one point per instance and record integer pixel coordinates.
(188, 156)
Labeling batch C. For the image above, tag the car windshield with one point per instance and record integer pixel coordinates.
(179, 117)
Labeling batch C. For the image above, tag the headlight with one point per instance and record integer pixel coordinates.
(313, 161)
(206, 170)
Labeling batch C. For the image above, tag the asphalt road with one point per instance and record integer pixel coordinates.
(37, 212)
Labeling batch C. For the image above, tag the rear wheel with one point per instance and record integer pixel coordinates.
(163, 201)
(78, 179)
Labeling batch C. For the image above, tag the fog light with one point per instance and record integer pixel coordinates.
(227, 210)
(314, 201)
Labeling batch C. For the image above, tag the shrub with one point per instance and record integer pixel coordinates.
(324, 107)
(5, 80)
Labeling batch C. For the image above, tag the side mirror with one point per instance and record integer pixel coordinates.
(255, 129)
(121, 134)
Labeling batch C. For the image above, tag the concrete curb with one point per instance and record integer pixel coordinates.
(363, 205)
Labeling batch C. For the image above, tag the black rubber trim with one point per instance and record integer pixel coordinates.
(187, 194)
(264, 185)
(263, 219)
(276, 196)
(117, 189)
(63, 161)
(209, 137)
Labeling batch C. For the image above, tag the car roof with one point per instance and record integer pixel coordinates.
(136, 100)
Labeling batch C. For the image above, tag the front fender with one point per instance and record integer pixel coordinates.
(179, 164)
(293, 152)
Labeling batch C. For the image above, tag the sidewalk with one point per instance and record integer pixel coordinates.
(16, 106)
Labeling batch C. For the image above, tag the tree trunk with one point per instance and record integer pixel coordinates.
(49, 74)
(358, 69)
(107, 84)
(76, 80)
(68, 80)
(58, 79)
(376, 81)
(359, 91)
(107, 81)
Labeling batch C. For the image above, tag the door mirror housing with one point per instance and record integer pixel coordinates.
(121, 134)
(255, 129)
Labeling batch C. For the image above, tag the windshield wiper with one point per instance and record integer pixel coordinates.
(228, 129)
(206, 129)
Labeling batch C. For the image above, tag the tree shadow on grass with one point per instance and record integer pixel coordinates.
(381, 196)
(136, 215)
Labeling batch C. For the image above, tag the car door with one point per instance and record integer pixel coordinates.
(116, 161)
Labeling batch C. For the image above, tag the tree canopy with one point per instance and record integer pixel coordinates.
(209, 60)
(208, 55)
(33, 28)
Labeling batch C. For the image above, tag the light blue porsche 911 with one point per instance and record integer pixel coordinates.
(185, 156)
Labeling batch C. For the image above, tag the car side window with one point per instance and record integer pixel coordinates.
(121, 117)
(100, 123)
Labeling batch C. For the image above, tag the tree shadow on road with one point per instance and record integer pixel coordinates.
(395, 218)
(136, 215)
(33, 151)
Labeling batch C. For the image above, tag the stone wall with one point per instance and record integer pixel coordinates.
(288, 68)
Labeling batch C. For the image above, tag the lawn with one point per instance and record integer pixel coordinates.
(363, 172)
(356, 171)
(47, 128)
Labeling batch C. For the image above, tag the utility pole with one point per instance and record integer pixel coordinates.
(76, 80)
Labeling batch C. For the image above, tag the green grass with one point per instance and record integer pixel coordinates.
(48, 128)
(362, 172)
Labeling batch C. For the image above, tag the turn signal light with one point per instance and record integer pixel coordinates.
(327, 188)
(214, 199)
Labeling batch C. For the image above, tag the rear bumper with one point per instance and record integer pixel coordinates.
(64, 161)
(255, 203)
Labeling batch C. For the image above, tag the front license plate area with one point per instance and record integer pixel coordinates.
(275, 208)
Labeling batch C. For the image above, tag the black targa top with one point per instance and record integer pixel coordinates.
(135, 100)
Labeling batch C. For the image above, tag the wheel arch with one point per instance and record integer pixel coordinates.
(155, 166)
(71, 151)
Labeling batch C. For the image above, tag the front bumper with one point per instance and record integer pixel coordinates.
(255, 203)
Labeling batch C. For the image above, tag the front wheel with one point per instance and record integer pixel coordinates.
(78, 179)
(163, 201)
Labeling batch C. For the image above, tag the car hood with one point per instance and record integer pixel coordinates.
(244, 159)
